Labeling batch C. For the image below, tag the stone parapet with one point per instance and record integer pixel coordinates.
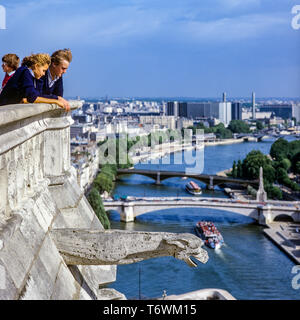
(204, 294)
(38, 193)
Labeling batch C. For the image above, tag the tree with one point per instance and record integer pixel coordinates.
(295, 163)
(273, 192)
(283, 178)
(222, 132)
(251, 191)
(259, 125)
(95, 201)
(106, 183)
(239, 171)
(109, 170)
(281, 175)
(293, 148)
(285, 164)
(104, 180)
(226, 134)
(252, 163)
(234, 170)
(297, 167)
(269, 173)
(238, 126)
(279, 149)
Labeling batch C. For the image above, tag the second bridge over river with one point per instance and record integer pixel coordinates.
(209, 179)
(262, 212)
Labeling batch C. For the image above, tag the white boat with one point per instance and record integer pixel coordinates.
(210, 234)
(193, 188)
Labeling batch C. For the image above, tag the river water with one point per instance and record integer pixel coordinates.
(249, 265)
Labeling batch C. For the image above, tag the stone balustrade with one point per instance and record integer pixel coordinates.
(38, 193)
(33, 148)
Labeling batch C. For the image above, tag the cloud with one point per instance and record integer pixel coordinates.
(239, 3)
(51, 21)
(124, 22)
(233, 29)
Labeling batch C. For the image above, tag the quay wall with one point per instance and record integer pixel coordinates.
(224, 141)
(38, 193)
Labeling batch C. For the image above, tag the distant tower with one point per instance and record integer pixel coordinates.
(224, 96)
(261, 194)
(164, 109)
(253, 106)
(176, 109)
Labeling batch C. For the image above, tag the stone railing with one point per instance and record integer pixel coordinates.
(33, 146)
(39, 193)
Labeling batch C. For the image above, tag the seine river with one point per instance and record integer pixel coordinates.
(249, 265)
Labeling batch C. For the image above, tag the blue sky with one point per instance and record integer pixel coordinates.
(190, 48)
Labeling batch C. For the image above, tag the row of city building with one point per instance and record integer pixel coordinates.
(226, 111)
(95, 121)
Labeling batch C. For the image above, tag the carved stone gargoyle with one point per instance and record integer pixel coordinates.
(116, 247)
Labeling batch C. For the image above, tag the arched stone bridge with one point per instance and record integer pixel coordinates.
(209, 179)
(263, 213)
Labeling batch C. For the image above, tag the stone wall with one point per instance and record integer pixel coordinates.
(87, 172)
(39, 192)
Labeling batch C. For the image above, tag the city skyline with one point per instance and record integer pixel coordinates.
(138, 48)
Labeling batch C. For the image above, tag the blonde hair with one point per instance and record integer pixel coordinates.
(39, 58)
(58, 56)
(12, 60)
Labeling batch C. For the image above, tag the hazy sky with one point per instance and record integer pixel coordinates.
(191, 48)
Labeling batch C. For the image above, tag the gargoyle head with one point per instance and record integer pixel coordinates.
(186, 245)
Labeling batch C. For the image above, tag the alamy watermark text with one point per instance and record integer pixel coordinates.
(296, 19)
(296, 278)
(2, 17)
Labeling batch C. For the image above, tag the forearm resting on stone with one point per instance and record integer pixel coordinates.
(47, 100)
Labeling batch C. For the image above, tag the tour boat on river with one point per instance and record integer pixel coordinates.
(210, 234)
(193, 188)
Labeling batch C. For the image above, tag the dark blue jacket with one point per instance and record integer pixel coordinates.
(21, 85)
(53, 92)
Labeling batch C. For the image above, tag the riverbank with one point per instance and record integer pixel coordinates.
(283, 234)
(286, 237)
(163, 150)
(222, 142)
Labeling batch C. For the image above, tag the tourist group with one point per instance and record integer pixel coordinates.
(38, 79)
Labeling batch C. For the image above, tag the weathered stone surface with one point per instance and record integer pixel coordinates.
(85, 246)
(66, 195)
(89, 216)
(17, 258)
(39, 283)
(37, 184)
(110, 294)
(81, 216)
(65, 286)
(39, 194)
(85, 289)
(8, 290)
(30, 227)
(50, 257)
